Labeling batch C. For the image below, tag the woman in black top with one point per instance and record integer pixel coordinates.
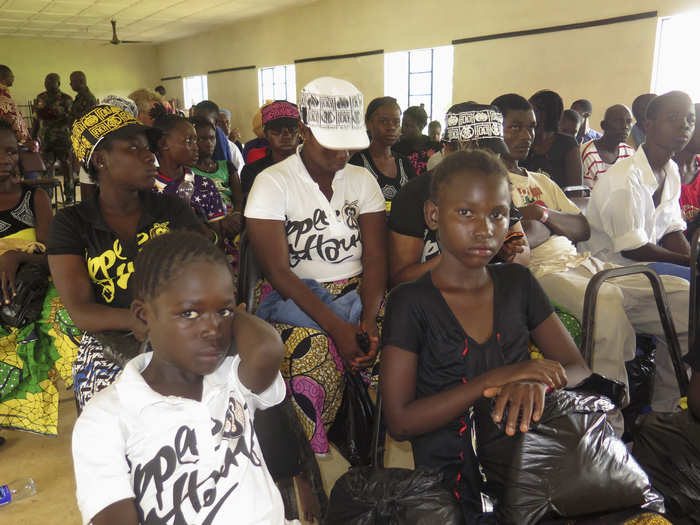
(92, 246)
(413, 145)
(552, 152)
(392, 171)
(461, 331)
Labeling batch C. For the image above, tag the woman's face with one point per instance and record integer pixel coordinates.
(129, 162)
(206, 141)
(328, 160)
(409, 128)
(180, 145)
(9, 156)
(385, 125)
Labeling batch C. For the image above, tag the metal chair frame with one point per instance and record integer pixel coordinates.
(657, 286)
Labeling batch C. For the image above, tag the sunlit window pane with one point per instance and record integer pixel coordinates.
(421, 60)
(678, 40)
(415, 87)
(277, 83)
(195, 89)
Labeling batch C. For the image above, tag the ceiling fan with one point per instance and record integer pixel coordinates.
(115, 39)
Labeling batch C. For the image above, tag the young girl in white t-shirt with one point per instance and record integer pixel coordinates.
(172, 440)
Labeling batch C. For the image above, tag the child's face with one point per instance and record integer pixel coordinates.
(472, 217)
(190, 324)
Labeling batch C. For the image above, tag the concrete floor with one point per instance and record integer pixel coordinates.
(48, 461)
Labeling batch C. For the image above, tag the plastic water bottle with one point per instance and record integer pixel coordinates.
(17, 490)
(185, 190)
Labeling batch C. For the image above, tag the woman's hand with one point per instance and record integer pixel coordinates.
(9, 263)
(232, 224)
(372, 331)
(345, 339)
(523, 396)
(511, 248)
(551, 373)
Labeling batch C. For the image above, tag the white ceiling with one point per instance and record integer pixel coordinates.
(152, 20)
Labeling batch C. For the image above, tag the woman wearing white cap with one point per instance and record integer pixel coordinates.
(317, 225)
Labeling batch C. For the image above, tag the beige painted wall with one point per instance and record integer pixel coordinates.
(109, 69)
(607, 64)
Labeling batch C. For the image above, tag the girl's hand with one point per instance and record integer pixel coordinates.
(523, 396)
(551, 373)
(9, 263)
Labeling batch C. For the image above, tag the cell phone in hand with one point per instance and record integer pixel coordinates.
(363, 341)
(513, 236)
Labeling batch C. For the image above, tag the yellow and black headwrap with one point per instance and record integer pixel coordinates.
(94, 126)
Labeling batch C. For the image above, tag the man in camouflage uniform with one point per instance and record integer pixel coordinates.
(84, 99)
(52, 121)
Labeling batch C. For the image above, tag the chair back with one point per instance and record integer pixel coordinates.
(249, 272)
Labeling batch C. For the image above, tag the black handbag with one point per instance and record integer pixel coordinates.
(31, 284)
(351, 432)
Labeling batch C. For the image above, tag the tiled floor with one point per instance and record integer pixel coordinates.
(48, 461)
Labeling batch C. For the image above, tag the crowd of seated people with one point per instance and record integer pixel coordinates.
(447, 257)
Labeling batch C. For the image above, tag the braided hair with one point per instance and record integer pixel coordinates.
(166, 258)
(418, 114)
(163, 120)
(463, 162)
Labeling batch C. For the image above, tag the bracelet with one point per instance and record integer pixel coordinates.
(545, 214)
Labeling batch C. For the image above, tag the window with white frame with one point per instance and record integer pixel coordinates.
(676, 38)
(195, 90)
(277, 83)
(421, 76)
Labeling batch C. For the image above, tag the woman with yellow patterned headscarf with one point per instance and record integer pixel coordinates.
(92, 246)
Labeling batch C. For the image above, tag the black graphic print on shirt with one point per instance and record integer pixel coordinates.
(170, 487)
(316, 238)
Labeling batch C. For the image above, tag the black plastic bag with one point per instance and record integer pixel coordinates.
(668, 448)
(394, 496)
(31, 283)
(640, 374)
(351, 432)
(569, 464)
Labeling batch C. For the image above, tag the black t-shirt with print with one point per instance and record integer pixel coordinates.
(419, 320)
(252, 170)
(418, 151)
(390, 186)
(81, 230)
(407, 216)
(553, 162)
